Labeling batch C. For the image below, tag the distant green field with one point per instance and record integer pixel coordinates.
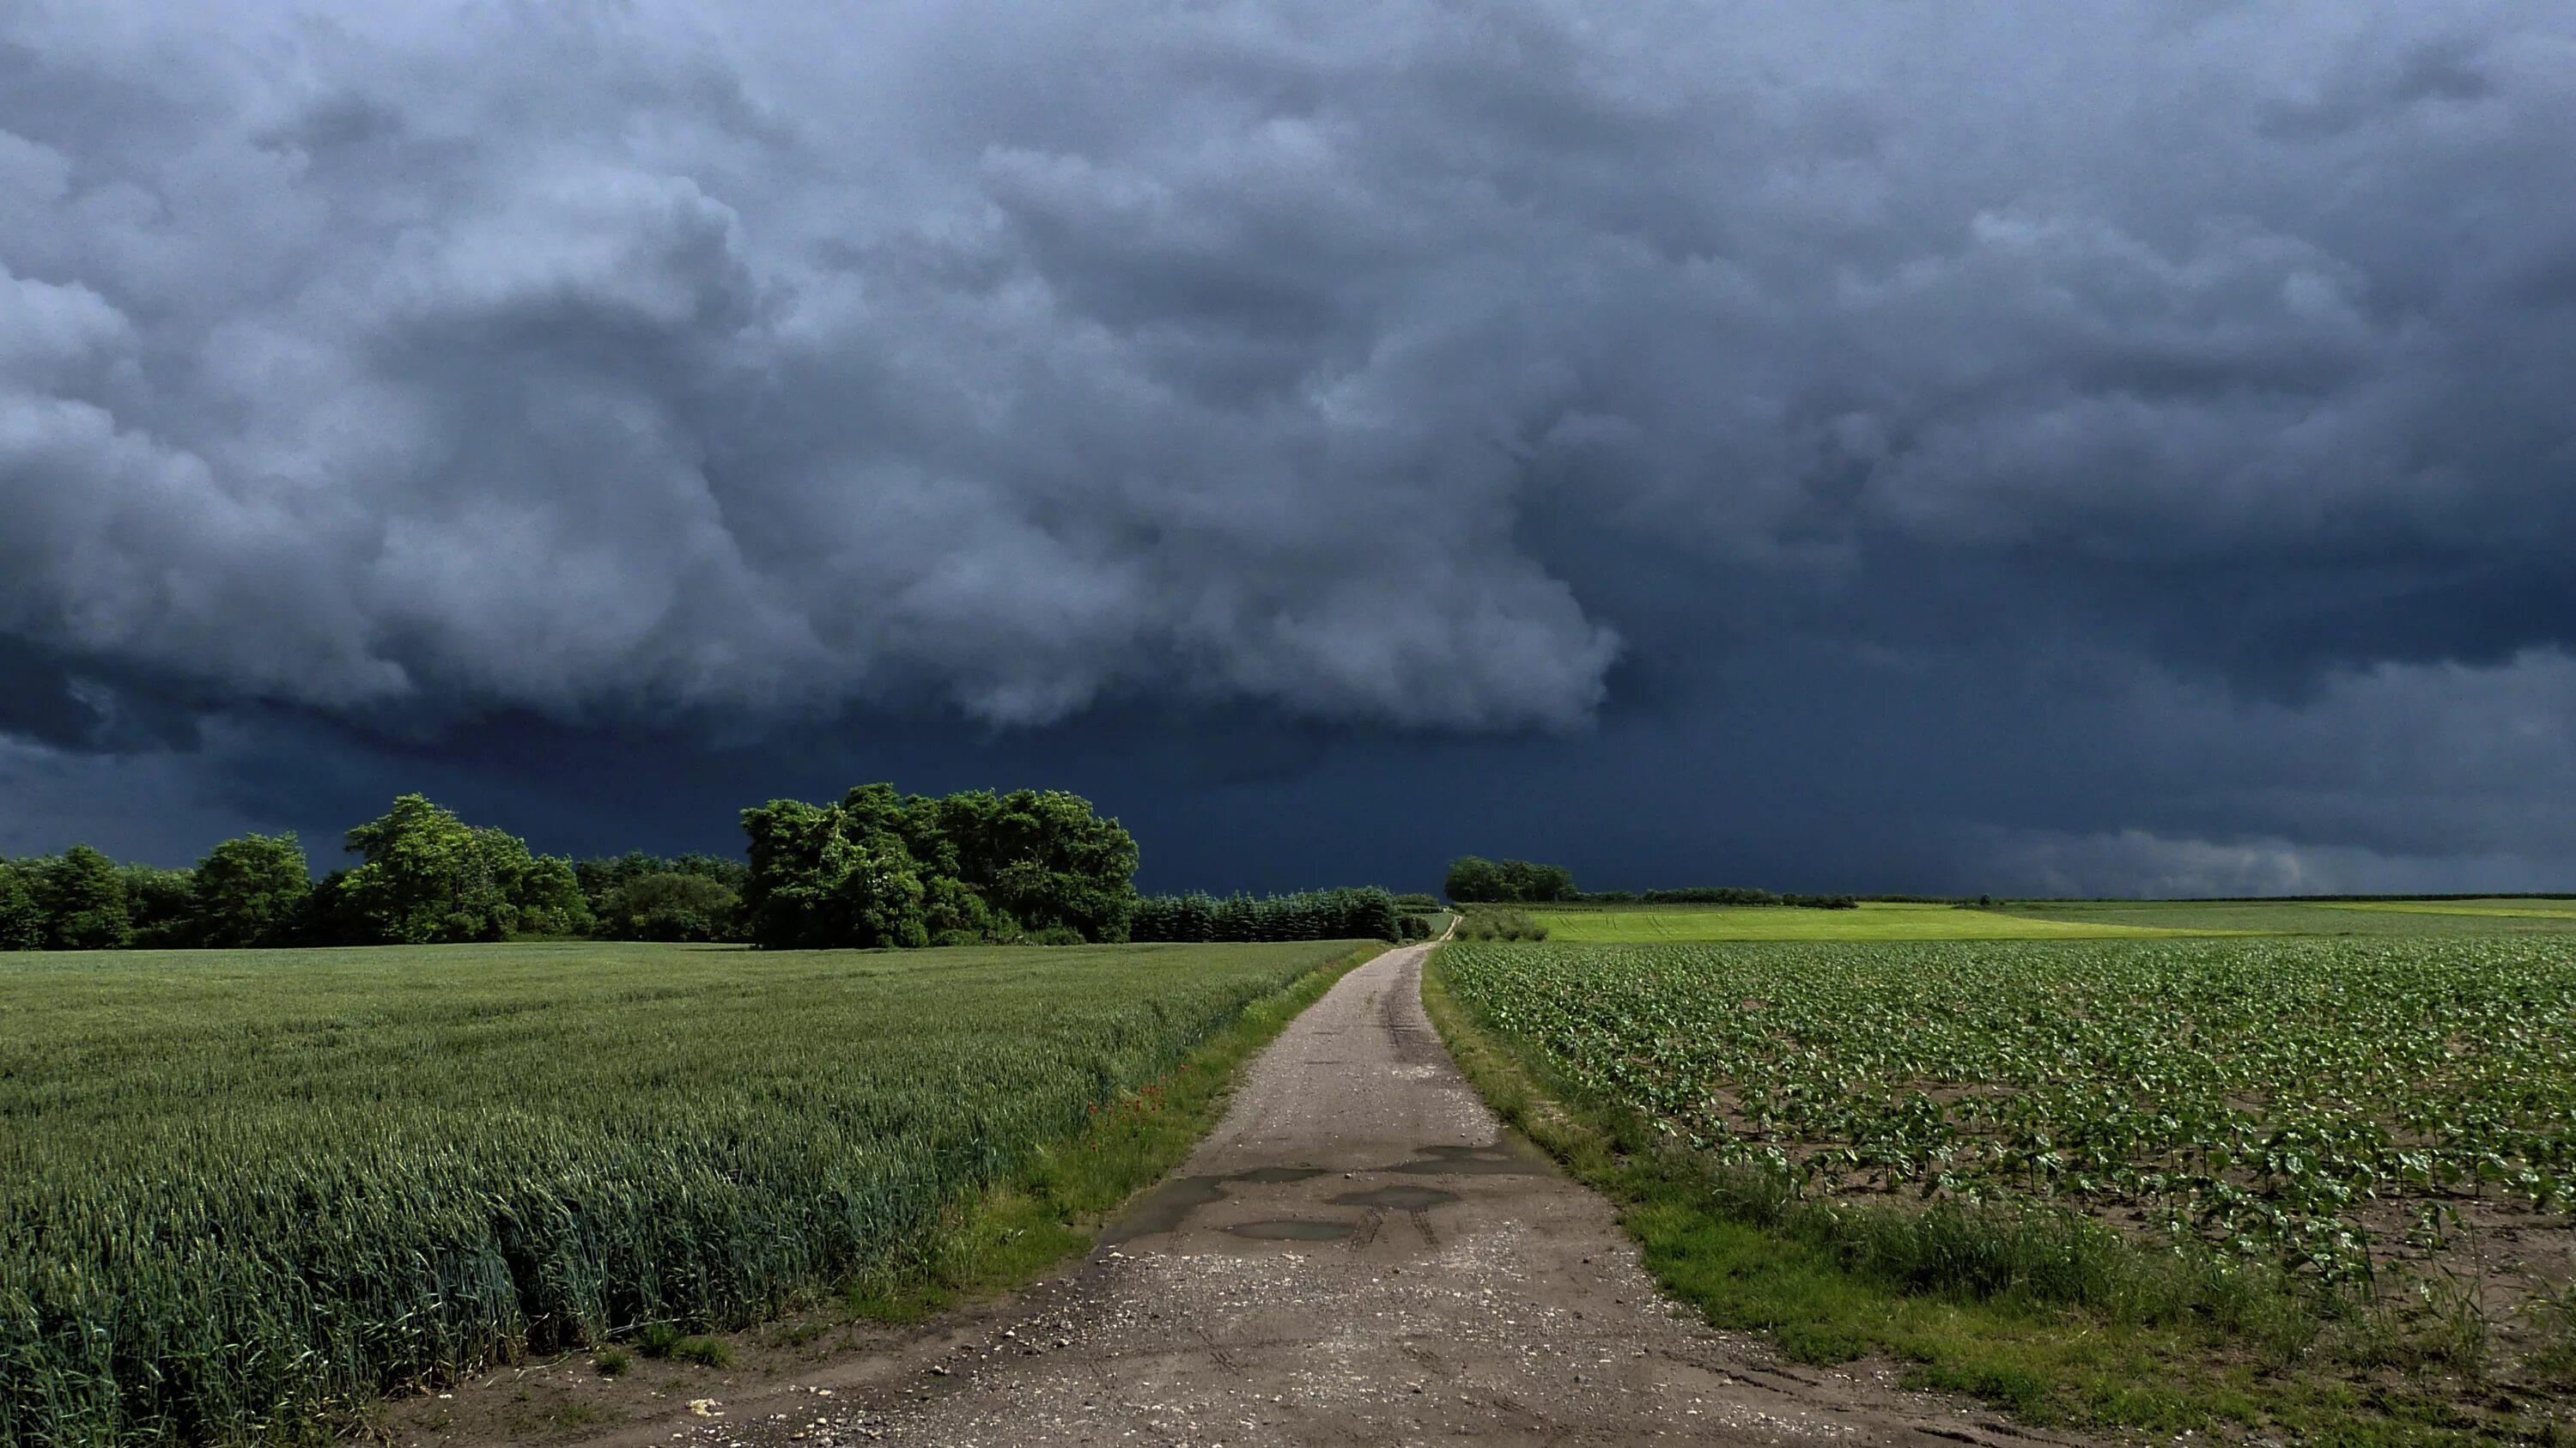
(242, 1192)
(2317, 917)
(1612, 924)
(2489, 909)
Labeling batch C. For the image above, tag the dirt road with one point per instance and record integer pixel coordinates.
(1357, 1255)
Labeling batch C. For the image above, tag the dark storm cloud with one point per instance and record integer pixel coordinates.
(1411, 366)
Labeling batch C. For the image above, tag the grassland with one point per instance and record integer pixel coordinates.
(1869, 921)
(241, 1194)
(2316, 1186)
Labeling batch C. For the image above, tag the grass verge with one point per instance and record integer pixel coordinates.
(1007, 1235)
(2051, 1317)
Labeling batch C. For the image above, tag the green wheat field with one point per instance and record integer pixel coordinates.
(242, 1193)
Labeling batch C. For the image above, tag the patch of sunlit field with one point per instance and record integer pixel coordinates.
(1641, 924)
(2315, 917)
(247, 1188)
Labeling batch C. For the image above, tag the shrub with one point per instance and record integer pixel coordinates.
(1500, 925)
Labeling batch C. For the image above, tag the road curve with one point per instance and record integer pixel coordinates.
(1360, 1255)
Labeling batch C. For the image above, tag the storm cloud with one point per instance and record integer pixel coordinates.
(1411, 372)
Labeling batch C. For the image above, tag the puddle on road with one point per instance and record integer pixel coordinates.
(1171, 1203)
(1289, 1229)
(1398, 1198)
(1499, 1159)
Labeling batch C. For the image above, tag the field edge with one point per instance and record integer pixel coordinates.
(2040, 1363)
(1053, 1208)
(1003, 1239)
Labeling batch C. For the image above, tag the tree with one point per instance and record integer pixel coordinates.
(1511, 882)
(1532, 883)
(159, 902)
(548, 897)
(880, 868)
(669, 905)
(1475, 879)
(250, 891)
(1045, 858)
(830, 875)
(430, 878)
(84, 902)
(22, 916)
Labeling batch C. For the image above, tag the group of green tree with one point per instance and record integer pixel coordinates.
(1474, 880)
(875, 868)
(423, 877)
(882, 869)
(1477, 881)
(1368, 913)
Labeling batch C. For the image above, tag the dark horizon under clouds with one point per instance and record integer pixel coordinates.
(1829, 446)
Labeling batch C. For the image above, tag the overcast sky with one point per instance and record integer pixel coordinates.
(2121, 447)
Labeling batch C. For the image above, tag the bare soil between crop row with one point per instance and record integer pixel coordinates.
(1358, 1254)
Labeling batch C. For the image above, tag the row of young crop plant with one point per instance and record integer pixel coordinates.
(243, 1193)
(2259, 1095)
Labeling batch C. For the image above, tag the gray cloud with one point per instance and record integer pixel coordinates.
(1390, 365)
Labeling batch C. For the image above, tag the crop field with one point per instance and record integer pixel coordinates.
(2336, 1106)
(243, 1192)
(2313, 917)
(1868, 921)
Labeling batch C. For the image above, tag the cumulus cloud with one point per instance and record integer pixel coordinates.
(622, 360)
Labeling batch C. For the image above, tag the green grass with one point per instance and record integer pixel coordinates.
(242, 1193)
(2033, 1308)
(1869, 921)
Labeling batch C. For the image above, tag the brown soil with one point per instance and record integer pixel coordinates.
(1357, 1255)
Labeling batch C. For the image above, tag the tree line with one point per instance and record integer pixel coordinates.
(872, 869)
(1478, 881)
(1367, 913)
(875, 868)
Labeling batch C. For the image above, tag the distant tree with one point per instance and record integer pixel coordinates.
(880, 868)
(1481, 881)
(830, 875)
(250, 891)
(669, 905)
(1533, 883)
(22, 915)
(1475, 879)
(160, 903)
(83, 896)
(605, 881)
(430, 878)
(548, 898)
